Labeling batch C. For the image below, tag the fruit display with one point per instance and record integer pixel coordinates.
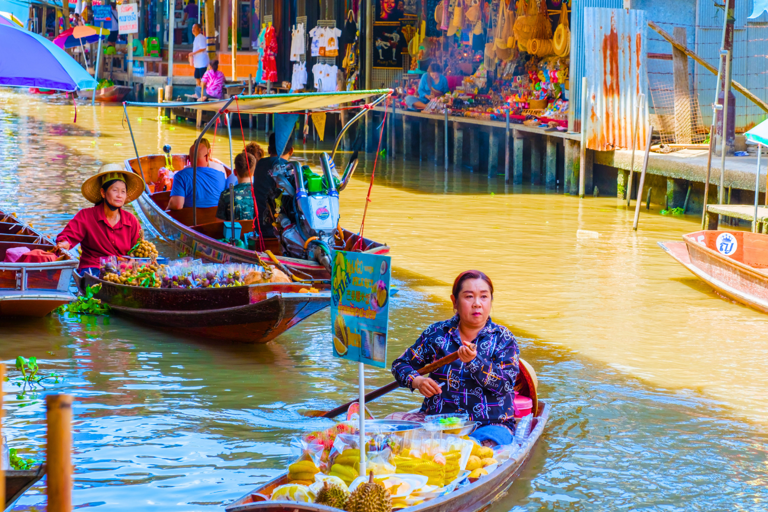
(129, 273)
(144, 249)
(369, 497)
(303, 471)
(332, 495)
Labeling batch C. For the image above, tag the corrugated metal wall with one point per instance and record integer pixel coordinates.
(615, 66)
(577, 53)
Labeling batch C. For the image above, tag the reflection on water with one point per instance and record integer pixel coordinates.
(654, 380)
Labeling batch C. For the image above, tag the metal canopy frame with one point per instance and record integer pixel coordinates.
(222, 107)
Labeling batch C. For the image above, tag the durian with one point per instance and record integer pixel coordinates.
(332, 496)
(369, 497)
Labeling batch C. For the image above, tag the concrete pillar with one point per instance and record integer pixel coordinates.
(407, 137)
(536, 153)
(517, 158)
(458, 145)
(439, 135)
(676, 190)
(474, 149)
(550, 180)
(572, 165)
(621, 184)
(224, 21)
(425, 140)
(589, 171)
(494, 142)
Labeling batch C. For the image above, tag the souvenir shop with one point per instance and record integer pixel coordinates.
(496, 57)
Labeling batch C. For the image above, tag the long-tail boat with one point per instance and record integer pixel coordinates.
(734, 263)
(111, 94)
(18, 482)
(31, 289)
(473, 497)
(247, 314)
(196, 231)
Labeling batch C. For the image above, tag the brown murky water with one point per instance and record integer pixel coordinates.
(657, 383)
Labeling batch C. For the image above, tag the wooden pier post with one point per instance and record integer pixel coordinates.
(621, 184)
(439, 142)
(506, 150)
(493, 152)
(407, 137)
(536, 154)
(59, 452)
(458, 145)
(550, 180)
(425, 148)
(250, 92)
(474, 150)
(517, 157)
(572, 165)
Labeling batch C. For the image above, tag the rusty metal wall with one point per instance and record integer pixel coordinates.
(578, 55)
(616, 70)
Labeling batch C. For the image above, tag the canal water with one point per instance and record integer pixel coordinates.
(657, 384)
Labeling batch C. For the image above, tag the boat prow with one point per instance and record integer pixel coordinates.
(734, 263)
(18, 482)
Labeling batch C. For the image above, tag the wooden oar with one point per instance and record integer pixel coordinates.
(373, 395)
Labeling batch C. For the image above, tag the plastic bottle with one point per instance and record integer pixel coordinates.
(522, 429)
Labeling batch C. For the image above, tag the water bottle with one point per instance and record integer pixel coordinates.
(522, 429)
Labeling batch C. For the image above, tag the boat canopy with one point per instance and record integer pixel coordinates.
(273, 103)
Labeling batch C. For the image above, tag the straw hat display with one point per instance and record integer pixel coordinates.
(134, 185)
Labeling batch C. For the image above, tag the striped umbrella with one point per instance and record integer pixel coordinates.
(80, 35)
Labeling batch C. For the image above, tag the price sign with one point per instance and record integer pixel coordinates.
(128, 18)
(102, 14)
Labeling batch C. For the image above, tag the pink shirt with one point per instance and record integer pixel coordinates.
(214, 83)
(97, 238)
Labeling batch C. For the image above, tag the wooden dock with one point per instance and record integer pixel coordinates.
(738, 211)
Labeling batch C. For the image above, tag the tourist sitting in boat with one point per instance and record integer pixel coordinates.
(210, 182)
(433, 84)
(481, 381)
(264, 187)
(252, 149)
(245, 164)
(105, 229)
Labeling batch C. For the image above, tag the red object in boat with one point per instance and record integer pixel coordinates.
(523, 405)
(37, 256)
(35, 90)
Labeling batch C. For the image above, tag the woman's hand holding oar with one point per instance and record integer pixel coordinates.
(383, 390)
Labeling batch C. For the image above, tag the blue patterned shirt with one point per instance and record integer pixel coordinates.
(484, 388)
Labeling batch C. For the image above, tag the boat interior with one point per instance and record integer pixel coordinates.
(752, 248)
(13, 234)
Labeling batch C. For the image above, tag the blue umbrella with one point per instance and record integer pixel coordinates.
(36, 62)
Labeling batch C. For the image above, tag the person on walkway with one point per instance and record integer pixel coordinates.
(190, 18)
(481, 382)
(433, 84)
(264, 187)
(105, 229)
(212, 83)
(210, 182)
(245, 164)
(199, 56)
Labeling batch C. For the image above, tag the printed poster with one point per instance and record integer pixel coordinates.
(360, 307)
(388, 43)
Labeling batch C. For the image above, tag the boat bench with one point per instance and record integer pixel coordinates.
(4, 246)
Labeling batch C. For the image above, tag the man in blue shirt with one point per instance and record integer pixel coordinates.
(432, 85)
(210, 182)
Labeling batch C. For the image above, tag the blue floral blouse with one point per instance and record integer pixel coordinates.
(482, 388)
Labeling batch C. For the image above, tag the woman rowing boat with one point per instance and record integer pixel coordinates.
(105, 229)
(481, 382)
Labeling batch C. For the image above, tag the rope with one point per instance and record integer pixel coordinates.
(256, 223)
(370, 187)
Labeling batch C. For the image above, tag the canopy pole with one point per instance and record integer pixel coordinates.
(135, 149)
(757, 186)
(194, 155)
(353, 121)
(171, 30)
(229, 132)
(98, 59)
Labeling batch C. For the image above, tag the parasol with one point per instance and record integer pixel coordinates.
(37, 62)
(8, 18)
(80, 35)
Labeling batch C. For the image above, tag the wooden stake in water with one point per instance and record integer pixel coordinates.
(640, 99)
(59, 452)
(642, 177)
(361, 386)
(506, 152)
(583, 148)
(757, 186)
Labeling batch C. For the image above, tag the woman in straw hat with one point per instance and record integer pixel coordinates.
(105, 229)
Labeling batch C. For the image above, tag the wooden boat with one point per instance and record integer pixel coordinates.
(201, 240)
(31, 289)
(470, 498)
(734, 263)
(247, 314)
(112, 94)
(17, 483)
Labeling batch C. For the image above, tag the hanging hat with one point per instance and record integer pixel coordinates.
(134, 185)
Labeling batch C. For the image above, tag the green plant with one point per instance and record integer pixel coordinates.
(677, 212)
(86, 304)
(20, 463)
(30, 376)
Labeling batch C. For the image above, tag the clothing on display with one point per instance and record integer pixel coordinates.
(299, 78)
(260, 49)
(270, 53)
(297, 43)
(319, 40)
(325, 77)
(332, 42)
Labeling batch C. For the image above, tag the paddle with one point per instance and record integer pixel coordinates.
(373, 395)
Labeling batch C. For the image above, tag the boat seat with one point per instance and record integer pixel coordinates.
(12, 228)
(215, 230)
(161, 199)
(4, 246)
(7, 237)
(185, 215)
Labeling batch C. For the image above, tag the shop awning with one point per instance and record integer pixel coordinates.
(275, 103)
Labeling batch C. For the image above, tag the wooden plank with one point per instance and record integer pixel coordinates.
(682, 92)
(743, 90)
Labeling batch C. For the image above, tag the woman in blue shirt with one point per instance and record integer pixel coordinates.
(432, 85)
(481, 383)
